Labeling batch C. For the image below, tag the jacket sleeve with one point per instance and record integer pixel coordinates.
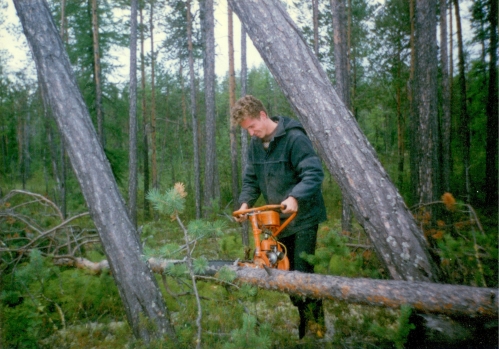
(307, 166)
(250, 189)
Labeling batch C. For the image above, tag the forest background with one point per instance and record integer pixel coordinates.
(379, 70)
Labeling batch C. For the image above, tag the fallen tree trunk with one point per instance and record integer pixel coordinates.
(425, 297)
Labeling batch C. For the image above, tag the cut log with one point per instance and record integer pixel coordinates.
(425, 297)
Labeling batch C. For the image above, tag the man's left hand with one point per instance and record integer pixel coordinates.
(290, 204)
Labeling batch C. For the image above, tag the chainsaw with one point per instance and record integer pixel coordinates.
(266, 226)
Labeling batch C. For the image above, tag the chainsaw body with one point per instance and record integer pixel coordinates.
(266, 226)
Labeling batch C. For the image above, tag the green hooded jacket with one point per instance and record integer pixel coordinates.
(289, 167)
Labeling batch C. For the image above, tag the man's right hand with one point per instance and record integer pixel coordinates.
(242, 217)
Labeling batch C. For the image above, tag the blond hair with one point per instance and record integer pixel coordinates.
(247, 106)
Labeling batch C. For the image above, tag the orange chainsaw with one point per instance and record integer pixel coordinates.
(265, 221)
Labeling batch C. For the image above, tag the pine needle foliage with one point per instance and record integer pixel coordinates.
(397, 335)
(333, 255)
(169, 202)
(250, 335)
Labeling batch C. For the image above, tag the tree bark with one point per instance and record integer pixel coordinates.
(63, 191)
(446, 115)
(348, 155)
(492, 110)
(464, 118)
(455, 300)
(97, 73)
(426, 138)
(136, 283)
(210, 169)
(233, 127)
(132, 115)
(197, 167)
(154, 160)
(63, 20)
(425, 297)
(244, 135)
(145, 139)
(340, 51)
(342, 82)
(410, 97)
(400, 120)
(315, 20)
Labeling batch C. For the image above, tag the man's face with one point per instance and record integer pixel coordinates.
(255, 127)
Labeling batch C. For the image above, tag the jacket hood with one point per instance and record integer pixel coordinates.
(285, 124)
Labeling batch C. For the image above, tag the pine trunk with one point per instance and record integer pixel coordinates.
(97, 73)
(136, 284)
(315, 20)
(464, 118)
(425, 108)
(425, 297)
(132, 116)
(244, 134)
(154, 160)
(233, 127)
(210, 168)
(197, 167)
(348, 155)
(492, 110)
(145, 139)
(342, 82)
(400, 121)
(446, 115)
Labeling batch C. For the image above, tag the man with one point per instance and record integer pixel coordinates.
(284, 168)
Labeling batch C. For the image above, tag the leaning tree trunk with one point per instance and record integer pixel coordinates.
(378, 206)
(136, 283)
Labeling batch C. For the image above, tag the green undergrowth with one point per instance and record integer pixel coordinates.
(46, 306)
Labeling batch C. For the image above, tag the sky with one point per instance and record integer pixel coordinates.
(17, 46)
(21, 58)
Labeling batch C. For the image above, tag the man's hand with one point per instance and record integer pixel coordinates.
(290, 204)
(241, 218)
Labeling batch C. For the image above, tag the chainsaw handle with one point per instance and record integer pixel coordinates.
(266, 208)
(258, 209)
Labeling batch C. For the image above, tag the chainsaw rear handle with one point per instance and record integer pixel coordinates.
(258, 209)
(267, 208)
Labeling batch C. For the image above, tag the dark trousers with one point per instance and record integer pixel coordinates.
(303, 241)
